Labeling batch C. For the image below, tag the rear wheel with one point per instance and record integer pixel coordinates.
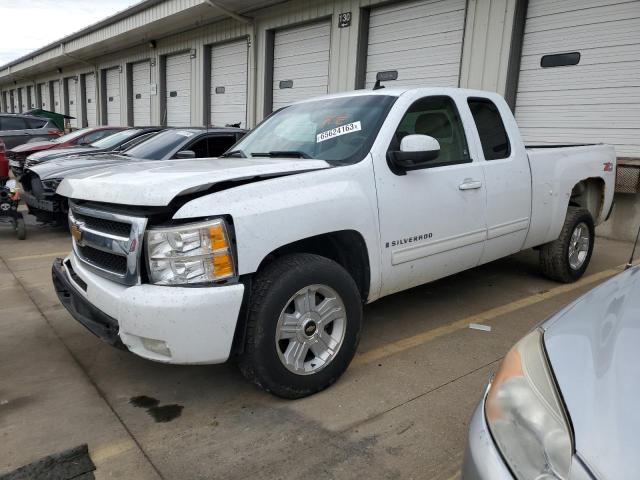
(567, 258)
(303, 326)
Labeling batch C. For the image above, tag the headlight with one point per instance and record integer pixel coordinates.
(525, 416)
(192, 253)
(51, 184)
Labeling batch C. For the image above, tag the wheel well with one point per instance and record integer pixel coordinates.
(589, 194)
(346, 247)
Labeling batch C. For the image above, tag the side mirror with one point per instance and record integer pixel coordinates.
(416, 151)
(186, 154)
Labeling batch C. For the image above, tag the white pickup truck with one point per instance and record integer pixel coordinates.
(268, 253)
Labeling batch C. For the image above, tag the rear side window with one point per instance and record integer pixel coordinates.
(213, 146)
(36, 123)
(12, 123)
(493, 135)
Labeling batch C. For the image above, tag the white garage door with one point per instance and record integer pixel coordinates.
(112, 94)
(31, 100)
(90, 99)
(14, 101)
(228, 100)
(178, 90)
(420, 40)
(56, 103)
(22, 96)
(43, 88)
(300, 63)
(6, 106)
(595, 100)
(141, 93)
(72, 106)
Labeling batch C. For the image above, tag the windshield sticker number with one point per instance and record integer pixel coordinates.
(338, 131)
(184, 134)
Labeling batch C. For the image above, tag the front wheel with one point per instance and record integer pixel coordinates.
(21, 228)
(303, 327)
(566, 258)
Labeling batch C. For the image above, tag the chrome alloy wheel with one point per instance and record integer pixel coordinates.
(311, 329)
(579, 246)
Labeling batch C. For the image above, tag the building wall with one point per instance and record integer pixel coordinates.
(488, 29)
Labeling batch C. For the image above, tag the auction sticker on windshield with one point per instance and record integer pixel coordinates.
(336, 132)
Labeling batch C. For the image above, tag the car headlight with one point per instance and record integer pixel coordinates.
(51, 184)
(191, 253)
(525, 415)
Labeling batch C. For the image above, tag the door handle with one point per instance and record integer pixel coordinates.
(470, 184)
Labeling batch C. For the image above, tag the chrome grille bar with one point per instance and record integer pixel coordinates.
(100, 233)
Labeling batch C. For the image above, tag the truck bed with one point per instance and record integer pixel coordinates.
(555, 171)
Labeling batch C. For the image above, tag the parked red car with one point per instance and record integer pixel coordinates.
(4, 165)
(84, 136)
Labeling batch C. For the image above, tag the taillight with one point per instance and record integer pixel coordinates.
(4, 165)
(54, 131)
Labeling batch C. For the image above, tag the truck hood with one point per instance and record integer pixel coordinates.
(34, 146)
(593, 351)
(61, 152)
(156, 183)
(61, 167)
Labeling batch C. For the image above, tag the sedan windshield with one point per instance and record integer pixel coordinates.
(339, 130)
(160, 146)
(116, 139)
(72, 136)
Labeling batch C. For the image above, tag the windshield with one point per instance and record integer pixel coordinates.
(339, 130)
(116, 139)
(160, 146)
(72, 136)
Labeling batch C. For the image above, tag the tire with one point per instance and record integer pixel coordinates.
(269, 360)
(21, 228)
(555, 261)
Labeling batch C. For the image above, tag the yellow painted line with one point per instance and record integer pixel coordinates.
(429, 335)
(106, 452)
(39, 255)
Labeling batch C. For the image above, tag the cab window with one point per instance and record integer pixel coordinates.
(493, 135)
(436, 117)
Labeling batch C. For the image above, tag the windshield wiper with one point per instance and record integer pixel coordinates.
(234, 153)
(283, 153)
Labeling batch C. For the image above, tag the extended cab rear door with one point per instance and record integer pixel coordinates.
(507, 176)
(432, 221)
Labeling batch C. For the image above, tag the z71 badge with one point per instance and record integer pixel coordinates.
(404, 241)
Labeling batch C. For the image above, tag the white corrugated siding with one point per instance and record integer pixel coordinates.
(45, 102)
(112, 94)
(597, 100)
(56, 103)
(72, 105)
(228, 96)
(301, 56)
(90, 99)
(421, 40)
(178, 90)
(141, 93)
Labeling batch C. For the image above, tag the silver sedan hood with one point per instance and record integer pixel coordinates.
(157, 183)
(594, 350)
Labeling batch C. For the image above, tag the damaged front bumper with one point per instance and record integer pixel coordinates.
(165, 324)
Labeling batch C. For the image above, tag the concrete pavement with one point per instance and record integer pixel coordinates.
(400, 411)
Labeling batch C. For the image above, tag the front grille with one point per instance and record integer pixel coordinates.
(103, 225)
(109, 243)
(104, 260)
(36, 186)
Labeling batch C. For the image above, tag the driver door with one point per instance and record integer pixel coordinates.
(432, 220)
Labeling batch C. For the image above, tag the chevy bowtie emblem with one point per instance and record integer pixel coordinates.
(76, 233)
